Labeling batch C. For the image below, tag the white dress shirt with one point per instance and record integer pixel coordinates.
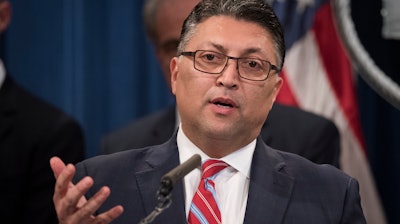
(2, 73)
(232, 183)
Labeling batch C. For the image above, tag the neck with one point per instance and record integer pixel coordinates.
(216, 147)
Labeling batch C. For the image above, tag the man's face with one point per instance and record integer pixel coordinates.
(168, 25)
(5, 15)
(224, 107)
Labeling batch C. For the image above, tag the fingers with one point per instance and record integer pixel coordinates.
(57, 165)
(64, 180)
(70, 203)
(111, 214)
(63, 175)
(74, 199)
(95, 202)
(84, 213)
(68, 198)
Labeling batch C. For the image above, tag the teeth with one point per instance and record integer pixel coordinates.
(224, 105)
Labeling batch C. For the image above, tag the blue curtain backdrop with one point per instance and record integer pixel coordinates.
(91, 58)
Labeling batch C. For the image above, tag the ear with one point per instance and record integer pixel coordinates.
(5, 15)
(277, 87)
(173, 66)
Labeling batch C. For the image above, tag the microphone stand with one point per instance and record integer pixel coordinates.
(166, 185)
(163, 198)
(164, 201)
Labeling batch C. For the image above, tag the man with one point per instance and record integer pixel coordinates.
(225, 80)
(31, 132)
(287, 128)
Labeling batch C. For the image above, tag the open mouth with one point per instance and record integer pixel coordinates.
(225, 103)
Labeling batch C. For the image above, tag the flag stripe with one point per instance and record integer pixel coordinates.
(308, 77)
(335, 61)
(319, 78)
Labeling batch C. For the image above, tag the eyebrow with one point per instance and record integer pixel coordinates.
(224, 50)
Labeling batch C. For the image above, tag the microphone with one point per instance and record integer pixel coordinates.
(167, 184)
(169, 179)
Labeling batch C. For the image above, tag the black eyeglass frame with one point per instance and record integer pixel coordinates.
(193, 54)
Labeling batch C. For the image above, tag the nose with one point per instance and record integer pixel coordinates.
(229, 77)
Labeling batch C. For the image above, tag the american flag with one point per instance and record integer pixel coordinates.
(318, 77)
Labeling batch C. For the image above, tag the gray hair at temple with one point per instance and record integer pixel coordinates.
(256, 11)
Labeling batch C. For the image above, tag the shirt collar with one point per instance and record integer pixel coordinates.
(239, 160)
(2, 73)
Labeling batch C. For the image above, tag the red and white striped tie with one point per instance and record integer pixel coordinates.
(204, 207)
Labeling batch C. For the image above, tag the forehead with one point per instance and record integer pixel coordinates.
(174, 12)
(170, 16)
(232, 35)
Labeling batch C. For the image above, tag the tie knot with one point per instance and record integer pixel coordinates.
(212, 167)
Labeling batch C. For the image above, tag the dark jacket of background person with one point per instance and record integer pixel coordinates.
(32, 131)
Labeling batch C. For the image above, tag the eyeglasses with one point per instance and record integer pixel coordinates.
(215, 63)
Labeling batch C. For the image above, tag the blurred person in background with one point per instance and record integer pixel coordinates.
(31, 132)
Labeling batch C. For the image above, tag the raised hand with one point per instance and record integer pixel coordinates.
(71, 205)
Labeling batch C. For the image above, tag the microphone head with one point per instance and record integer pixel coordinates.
(169, 179)
(166, 186)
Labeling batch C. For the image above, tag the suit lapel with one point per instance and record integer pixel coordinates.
(161, 161)
(269, 191)
(270, 187)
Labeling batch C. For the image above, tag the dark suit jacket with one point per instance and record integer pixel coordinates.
(32, 131)
(286, 128)
(284, 187)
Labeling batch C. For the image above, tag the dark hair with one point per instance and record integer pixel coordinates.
(256, 11)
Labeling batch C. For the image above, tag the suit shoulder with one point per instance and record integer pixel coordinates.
(152, 129)
(320, 188)
(298, 115)
(131, 160)
(117, 158)
(142, 125)
(299, 166)
(304, 133)
(283, 120)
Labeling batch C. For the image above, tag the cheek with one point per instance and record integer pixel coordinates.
(189, 86)
(262, 97)
(272, 88)
(262, 100)
(184, 84)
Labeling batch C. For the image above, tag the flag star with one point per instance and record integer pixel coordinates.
(303, 4)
